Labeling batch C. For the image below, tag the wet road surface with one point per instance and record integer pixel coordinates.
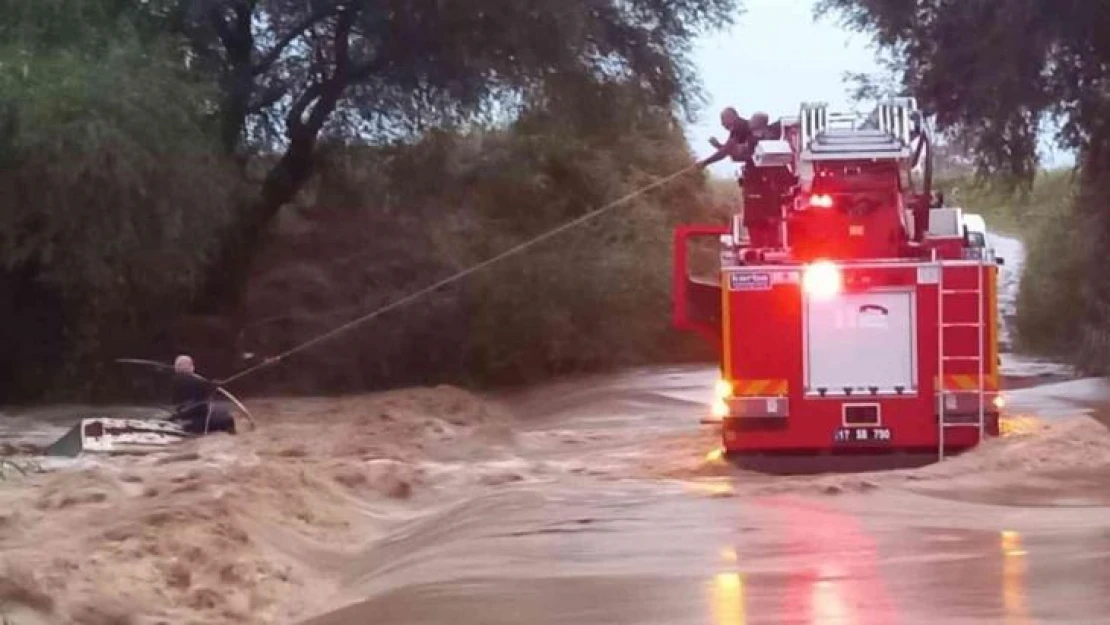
(601, 544)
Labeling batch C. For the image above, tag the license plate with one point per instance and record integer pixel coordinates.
(862, 435)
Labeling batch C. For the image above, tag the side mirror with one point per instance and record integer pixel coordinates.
(1001, 262)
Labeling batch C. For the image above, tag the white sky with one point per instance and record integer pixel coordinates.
(774, 58)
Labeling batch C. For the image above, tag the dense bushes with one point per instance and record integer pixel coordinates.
(1051, 301)
(101, 149)
(382, 223)
(379, 223)
(147, 150)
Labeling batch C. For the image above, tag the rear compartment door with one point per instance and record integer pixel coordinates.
(861, 341)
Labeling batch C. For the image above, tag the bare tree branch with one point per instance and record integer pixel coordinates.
(295, 119)
(269, 97)
(269, 58)
(323, 95)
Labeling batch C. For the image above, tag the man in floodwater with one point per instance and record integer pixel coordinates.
(192, 401)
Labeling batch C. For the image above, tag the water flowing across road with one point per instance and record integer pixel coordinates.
(603, 502)
(643, 524)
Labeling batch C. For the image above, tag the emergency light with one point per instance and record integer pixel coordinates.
(821, 201)
(724, 389)
(822, 280)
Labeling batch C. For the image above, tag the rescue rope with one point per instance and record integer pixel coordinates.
(516, 249)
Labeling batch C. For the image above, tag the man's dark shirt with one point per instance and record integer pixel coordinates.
(741, 134)
(190, 395)
(737, 144)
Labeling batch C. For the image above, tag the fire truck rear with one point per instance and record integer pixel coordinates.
(853, 311)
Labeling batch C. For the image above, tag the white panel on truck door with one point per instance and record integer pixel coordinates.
(861, 341)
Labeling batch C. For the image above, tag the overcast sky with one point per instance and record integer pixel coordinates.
(776, 57)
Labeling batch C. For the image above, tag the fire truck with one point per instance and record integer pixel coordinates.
(854, 312)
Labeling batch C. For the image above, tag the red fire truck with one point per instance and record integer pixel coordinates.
(854, 312)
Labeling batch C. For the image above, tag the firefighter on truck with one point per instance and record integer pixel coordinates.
(763, 198)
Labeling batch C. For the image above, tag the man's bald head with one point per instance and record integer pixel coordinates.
(183, 364)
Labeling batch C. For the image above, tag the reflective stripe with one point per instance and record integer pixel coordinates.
(970, 382)
(760, 388)
(992, 318)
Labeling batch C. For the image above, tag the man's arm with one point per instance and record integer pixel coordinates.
(725, 149)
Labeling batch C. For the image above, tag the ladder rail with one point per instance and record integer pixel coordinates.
(941, 417)
(979, 304)
(980, 353)
(893, 118)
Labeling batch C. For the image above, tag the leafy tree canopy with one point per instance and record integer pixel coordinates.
(111, 183)
(103, 142)
(997, 70)
(291, 72)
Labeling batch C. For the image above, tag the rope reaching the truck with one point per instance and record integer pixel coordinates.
(408, 299)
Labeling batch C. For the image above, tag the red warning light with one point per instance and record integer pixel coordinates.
(821, 201)
(822, 279)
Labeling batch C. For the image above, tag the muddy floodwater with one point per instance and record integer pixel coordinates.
(1011, 534)
(589, 501)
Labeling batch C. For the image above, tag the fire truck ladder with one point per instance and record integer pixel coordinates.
(943, 394)
(885, 134)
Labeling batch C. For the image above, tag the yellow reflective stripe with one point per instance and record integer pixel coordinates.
(966, 382)
(993, 320)
(760, 388)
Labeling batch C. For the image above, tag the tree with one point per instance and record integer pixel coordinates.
(998, 69)
(293, 71)
(111, 186)
(595, 297)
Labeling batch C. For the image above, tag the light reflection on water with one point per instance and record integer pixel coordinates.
(828, 604)
(1019, 424)
(727, 599)
(1014, 568)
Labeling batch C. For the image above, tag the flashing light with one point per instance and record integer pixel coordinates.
(999, 402)
(719, 409)
(723, 389)
(821, 201)
(822, 279)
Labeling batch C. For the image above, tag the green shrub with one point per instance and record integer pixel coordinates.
(111, 198)
(385, 222)
(1050, 302)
